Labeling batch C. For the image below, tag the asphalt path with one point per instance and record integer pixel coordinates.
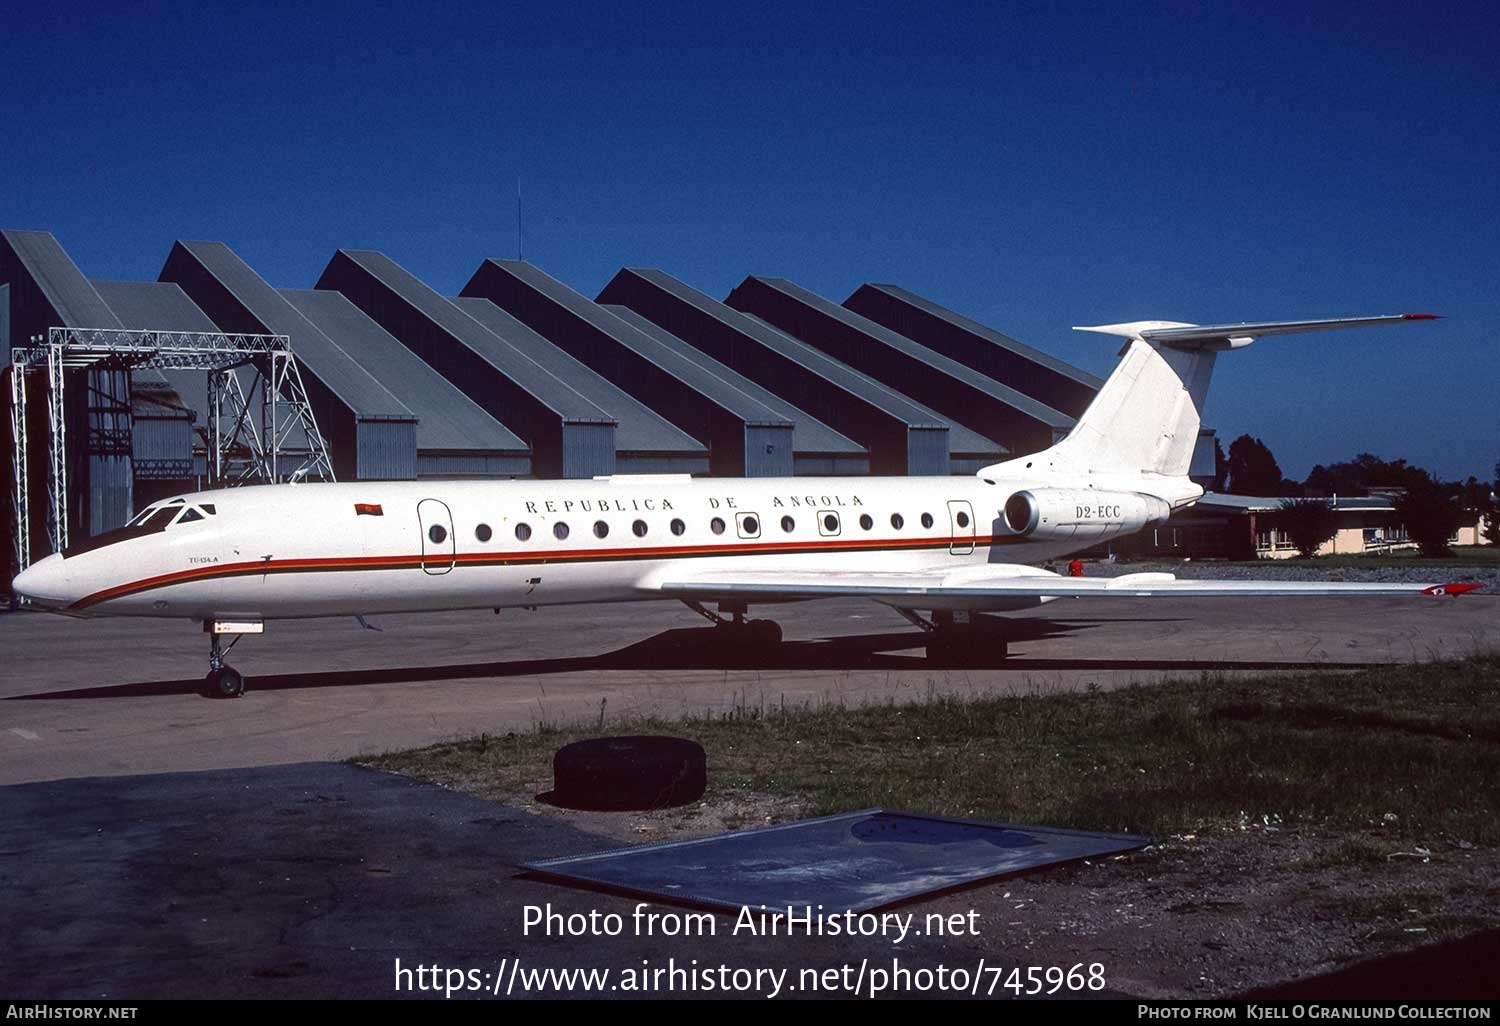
(104, 697)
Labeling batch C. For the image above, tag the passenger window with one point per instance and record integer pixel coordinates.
(438, 533)
(865, 521)
(559, 530)
(601, 529)
(716, 525)
(962, 518)
(638, 529)
(926, 519)
(523, 532)
(898, 521)
(483, 532)
(678, 527)
(828, 523)
(788, 524)
(748, 525)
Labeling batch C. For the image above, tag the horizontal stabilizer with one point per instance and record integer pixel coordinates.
(1178, 335)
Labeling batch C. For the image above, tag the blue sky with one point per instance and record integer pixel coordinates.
(1031, 166)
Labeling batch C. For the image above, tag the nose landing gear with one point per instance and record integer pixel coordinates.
(223, 680)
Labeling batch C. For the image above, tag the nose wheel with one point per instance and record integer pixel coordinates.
(223, 680)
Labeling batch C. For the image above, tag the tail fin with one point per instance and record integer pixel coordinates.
(1146, 417)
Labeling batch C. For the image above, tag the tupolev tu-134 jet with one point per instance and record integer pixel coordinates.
(937, 549)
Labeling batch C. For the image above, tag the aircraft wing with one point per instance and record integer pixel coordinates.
(909, 589)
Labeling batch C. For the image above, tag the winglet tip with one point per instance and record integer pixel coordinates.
(1451, 589)
(1421, 317)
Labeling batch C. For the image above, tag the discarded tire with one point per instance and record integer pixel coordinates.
(618, 774)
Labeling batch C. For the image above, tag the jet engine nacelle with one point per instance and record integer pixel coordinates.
(1058, 514)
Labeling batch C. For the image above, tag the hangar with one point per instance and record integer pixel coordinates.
(520, 376)
(577, 423)
(746, 437)
(1021, 423)
(903, 436)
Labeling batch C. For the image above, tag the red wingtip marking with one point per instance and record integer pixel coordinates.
(1450, 589)
(1421, 317)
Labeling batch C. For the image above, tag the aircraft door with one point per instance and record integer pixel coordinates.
(961, 526)
(438, 543)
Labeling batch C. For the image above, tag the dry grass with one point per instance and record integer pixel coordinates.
(1405, 753)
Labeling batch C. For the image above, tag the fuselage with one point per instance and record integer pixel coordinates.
(285, 551)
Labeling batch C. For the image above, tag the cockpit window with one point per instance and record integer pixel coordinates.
(188, 516)
(209, 508)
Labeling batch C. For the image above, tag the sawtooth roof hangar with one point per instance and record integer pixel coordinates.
(521, 376)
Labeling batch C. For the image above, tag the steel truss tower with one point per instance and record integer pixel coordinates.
(263, 431)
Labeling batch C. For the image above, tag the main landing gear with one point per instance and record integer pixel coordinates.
(223, 680)
(958, 639)
(737, 629)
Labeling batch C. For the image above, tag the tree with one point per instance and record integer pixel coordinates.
(1492, 512)
(1431, 518)
(1309, 523)
(1252, 468)
(1221, 466)
(1365, 471)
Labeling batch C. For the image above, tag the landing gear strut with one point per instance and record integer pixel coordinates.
(736, 627)
(952, 641)
(223, 680)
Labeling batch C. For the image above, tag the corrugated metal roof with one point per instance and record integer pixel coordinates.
(153, 306)
(958, 372)
(67, 291)
(447, 420)
(961, 440)
(713, 388)
(641, 429)
(973, 327)
(350, 383)
(809, 435)
(161, 306)
(537, 379)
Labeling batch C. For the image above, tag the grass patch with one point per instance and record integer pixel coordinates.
(1351, 853)
(1398, 753)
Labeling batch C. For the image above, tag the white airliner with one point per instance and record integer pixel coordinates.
(934, 548)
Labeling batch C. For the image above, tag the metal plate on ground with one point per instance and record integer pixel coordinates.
(855, 862)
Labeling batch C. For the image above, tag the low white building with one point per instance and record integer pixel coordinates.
(1244, 527)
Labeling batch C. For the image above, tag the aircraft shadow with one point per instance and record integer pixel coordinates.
(703, 648)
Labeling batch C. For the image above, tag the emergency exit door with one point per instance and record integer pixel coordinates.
(961, 527)
(438, 544)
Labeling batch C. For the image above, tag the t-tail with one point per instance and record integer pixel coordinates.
(1143, 424)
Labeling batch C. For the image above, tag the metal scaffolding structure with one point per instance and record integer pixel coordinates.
(277, 442)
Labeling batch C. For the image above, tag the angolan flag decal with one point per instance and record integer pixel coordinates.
(368, 509)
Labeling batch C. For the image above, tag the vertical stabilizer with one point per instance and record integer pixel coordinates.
(1145, 419)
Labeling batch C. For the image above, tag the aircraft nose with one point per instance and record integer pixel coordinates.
(45, 582)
